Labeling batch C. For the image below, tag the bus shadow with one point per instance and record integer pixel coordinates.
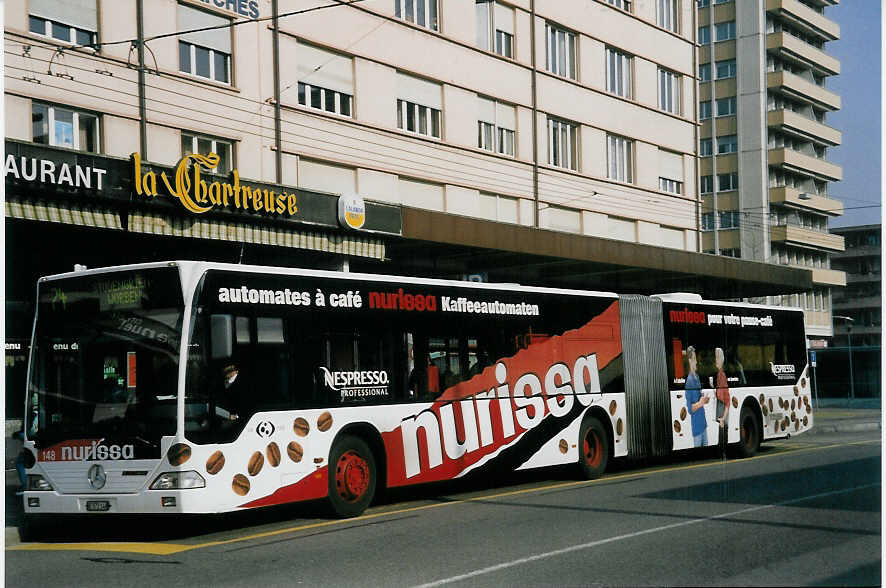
(191, 527)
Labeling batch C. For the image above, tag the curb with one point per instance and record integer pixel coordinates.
(844, 428)
(12, 538)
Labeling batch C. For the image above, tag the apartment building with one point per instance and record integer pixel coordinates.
(763, 107)
(861, 299)
(548, 142)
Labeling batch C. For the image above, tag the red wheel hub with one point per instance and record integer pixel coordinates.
(592, 449)
(351, 476)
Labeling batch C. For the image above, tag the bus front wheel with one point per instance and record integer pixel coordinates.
(593, 446)
(352, 476)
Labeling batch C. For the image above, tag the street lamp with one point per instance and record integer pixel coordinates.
(850, 320)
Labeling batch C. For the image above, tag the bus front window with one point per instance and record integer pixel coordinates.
(105, 358)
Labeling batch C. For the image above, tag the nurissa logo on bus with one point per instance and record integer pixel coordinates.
(351, 211)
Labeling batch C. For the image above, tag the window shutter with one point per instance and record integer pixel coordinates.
(318, 67)
(419, 91)
(217, 39)
(504, 18)
(77, 13)
(670, 165)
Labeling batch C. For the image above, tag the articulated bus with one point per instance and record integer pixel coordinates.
(197, 387)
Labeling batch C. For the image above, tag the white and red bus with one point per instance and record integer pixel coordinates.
(201, 387)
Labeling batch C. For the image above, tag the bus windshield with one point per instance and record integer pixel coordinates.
(105, 358)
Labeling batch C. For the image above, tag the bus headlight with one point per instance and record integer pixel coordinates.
(178, 481)
(38, 483)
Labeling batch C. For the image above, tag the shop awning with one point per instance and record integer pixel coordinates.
(237, 232)
(85, 215)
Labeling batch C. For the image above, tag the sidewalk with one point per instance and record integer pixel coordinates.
(846, 420)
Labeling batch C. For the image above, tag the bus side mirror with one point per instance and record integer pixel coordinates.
(221, 327)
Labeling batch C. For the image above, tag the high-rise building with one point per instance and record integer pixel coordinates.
(861, 300)
(763, 107)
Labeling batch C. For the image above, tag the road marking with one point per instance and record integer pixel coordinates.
(591, 544)
(174, 548)
(143, 548)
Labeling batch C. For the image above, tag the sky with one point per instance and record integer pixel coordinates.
(859, 86)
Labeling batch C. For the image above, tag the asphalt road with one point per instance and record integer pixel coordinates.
(805, 511)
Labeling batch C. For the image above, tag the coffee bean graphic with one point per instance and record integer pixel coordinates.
(255, 463)
(295, 451)
(215, 463)
(273, 453)
(301, 427)
(178, 454)
(240, 484)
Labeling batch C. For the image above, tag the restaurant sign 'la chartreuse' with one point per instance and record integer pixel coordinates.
(199, 195)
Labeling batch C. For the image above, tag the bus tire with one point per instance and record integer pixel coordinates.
(593, 449)
(352, 476)
(749, 433)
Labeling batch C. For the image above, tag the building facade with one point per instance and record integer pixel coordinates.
(861, 299)
(763, 107)
(539, 141)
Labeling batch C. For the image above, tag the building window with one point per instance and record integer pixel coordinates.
(724, 31)
(207, 53)
(324, 99)
(622, 4)
(206, 145)
(69, 22)
(419, 106)
(495, 127)
(619, 73)
(670, 171)
(500, 208)
(668, 15)
(416, 118)
(707, 221)
(672, 186)
(704, 35)
(562, 144)
(64, 127)
(705, 148)
(704, 72)
(727, 144)
(669, 91)
(725, 69)
(730, 219)
(495, 27)
(726, 182)
(420, 12)
(325, 80)
(560, 52)
(726, 106)
(707, 184)
(619, 156)
(704, 109)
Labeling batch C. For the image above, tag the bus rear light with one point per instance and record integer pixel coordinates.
(167, 501)
(38, 483)
(178, 481)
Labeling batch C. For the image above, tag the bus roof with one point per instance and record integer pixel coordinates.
(193, 268)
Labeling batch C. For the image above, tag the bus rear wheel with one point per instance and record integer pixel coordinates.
(352, 476)
(593, 446)
(749, 429)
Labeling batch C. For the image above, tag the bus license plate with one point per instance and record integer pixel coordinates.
(98, 505)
